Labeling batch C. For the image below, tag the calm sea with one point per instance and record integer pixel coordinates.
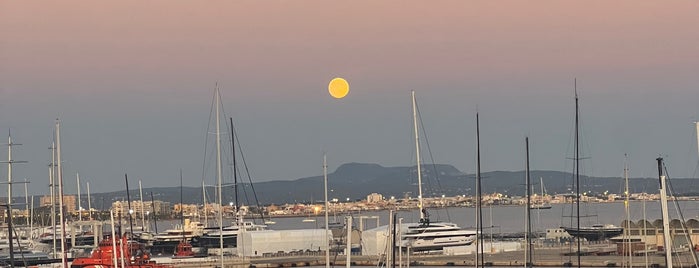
(503, 219)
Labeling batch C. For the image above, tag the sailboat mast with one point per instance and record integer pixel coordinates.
(577, 170)
(9, 171)
(666, 217)
(480, 260)
(89, 202)
(238, 218)
(9, 162)
(203, 195)
(59, 168)
(325, 183)
(143, 212)
(528, 256)
(627, 236)
(417, 157)
(128, 202)
(155, 215)
(218, 172)
(697, 125)
(184, 239)
(26, 200)
(77, 181)
(52, 185)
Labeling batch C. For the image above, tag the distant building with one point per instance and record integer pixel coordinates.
(186, 209)
(69, 202)
(142, 208)
(374, 198)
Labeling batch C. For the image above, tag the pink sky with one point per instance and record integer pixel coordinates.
(132, 63)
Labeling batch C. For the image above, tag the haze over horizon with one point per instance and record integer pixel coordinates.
(132, 83)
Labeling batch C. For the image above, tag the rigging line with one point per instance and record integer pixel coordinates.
(426, 178)
(429, 151)
(206, 142)
(21, 252)
(247, 170)
(683, 223)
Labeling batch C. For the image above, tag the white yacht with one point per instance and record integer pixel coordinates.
(191, 229)
(436, 236)
(165, 243)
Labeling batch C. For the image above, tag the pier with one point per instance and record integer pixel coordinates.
(597, 256)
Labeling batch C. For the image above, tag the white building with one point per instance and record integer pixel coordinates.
(258, 243)
(374, 198)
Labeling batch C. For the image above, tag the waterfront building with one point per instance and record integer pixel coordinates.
(147, 207)
(374, 198)
(69, 202)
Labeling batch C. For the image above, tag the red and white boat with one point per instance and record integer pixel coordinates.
(113, 253)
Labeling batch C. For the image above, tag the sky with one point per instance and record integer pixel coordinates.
(132, 83)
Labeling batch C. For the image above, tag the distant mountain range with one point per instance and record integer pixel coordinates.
(357, 180)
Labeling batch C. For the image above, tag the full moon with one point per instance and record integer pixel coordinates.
(338, 88)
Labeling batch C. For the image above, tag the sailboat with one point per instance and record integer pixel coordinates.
(427, 235)
(184, 248)
(225, 236)
(543, 204)
(595, 232)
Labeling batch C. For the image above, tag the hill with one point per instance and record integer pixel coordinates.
(356, 180)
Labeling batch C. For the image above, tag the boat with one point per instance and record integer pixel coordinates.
(166, 242)
(26, 257)
(118, 252)
(223, 237)
(436, 236)
(184, 248)
(596, 232)
(427, 235)
(543, 204)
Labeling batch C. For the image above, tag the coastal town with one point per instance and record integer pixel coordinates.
(373, 202)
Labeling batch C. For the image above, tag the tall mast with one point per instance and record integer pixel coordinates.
(528, 255)
(128, 202)
(423, 217)
(9, 170)
(80, 212)
(577, 170)
(697, 125)
(59, 169)
(52, 185)
(184, 239)
(626, 211)
(26, 200)
(89, 202)
(155, 215)
(143, 212)
(666, 217)
(238, 218)
(218, 172)
(325, 180)
(480, 260)
(203, 195)
(9, 162)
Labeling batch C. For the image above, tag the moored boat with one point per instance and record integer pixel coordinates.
(595, 232)
(113, 252)
(426, 235)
